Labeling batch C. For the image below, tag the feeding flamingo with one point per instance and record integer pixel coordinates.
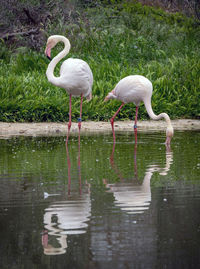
(134, 196)
(136, 89)
(75, 75)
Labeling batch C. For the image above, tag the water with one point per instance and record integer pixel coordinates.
(99, 206)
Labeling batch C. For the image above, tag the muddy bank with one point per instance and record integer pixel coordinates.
(52, 129)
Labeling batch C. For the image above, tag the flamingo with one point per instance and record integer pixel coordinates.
(75, 74)
(73, 214)
(132, 196)
(136, 89)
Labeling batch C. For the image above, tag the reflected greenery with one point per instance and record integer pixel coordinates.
(31, 167)
(42, 155)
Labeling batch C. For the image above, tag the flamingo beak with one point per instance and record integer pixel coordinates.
(168, 140)
(169, 135)
(48, 52)
(106, 99)
(45, 238)
(49, 58)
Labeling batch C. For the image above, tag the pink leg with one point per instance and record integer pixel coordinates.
(69, 168)
(135, 160)
(112, 155)
(79, 120)
(112, 120)
(136, 115)
(70, 117)
(79, 142)
(79, 165)
(113, 165)
(135, 125)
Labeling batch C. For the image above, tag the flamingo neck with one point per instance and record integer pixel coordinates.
(146, 182)
(50, 70)
(153, 116)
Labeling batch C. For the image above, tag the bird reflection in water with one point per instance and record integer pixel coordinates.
(134, 197)
(66, 217)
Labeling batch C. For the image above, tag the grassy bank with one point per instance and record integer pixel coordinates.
(116, 40)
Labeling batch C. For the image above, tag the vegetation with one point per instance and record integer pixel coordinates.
(116, 39)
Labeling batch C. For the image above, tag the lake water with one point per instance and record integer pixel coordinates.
(100, 206)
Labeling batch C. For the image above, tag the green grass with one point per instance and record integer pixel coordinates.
(116, 40)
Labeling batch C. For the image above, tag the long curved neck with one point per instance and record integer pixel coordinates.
(56, 59)
(153, 116)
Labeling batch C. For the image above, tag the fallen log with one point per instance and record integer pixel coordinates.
(24, 33)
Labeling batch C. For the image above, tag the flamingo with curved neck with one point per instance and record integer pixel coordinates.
(136, 89)
(75, 75)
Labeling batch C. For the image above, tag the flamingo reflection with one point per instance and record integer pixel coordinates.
(69, 216)
(133, 197)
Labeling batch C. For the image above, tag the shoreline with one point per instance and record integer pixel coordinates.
(58, 129)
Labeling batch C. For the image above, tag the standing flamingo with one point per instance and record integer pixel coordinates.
(136, 89)
(75, 74)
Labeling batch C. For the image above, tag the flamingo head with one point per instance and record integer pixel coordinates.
(111, 95)
(51, 42)
(169, 135)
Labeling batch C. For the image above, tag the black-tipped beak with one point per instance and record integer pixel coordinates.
(49, 58)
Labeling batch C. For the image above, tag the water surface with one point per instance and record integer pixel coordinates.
(100, 206)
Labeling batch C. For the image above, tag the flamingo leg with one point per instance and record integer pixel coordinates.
(112, 120)
(79, 120)
(70, 117)
(135, 160)
(79, 165)
(136, 116)
(135, 125)
(69, 168)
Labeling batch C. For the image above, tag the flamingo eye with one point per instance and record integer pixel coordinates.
(51, 43)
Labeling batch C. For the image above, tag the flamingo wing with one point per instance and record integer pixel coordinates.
(76, 77)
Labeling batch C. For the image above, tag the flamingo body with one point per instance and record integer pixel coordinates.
(76, 77)
(133, 89)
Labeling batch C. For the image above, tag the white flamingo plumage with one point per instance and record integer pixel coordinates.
(136, 89)
(75, 75)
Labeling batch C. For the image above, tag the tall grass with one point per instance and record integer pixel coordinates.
(116, 41)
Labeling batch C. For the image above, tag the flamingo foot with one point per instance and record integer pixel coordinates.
(113, 131)
(69, 127)
(79, 123)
